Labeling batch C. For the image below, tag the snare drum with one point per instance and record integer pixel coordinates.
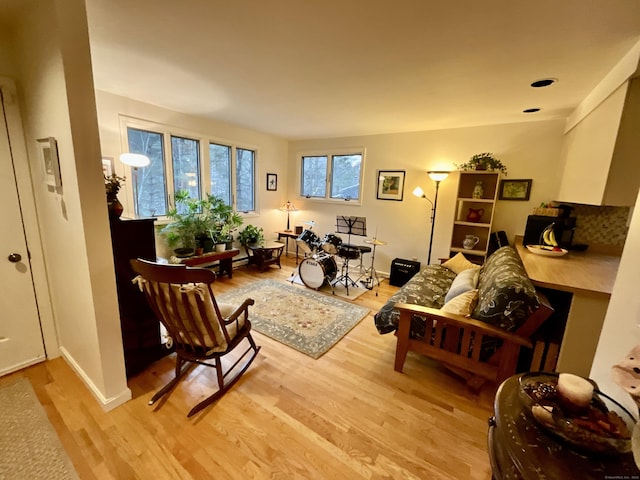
(308, 241)
(331, 243)
(315, 271)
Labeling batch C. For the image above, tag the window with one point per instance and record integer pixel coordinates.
(220, 171)
(185, 159)
(149, 185)
(244, 179)
(332, 176)
(180, 162)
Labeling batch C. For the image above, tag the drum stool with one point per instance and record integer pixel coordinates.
(363, 249)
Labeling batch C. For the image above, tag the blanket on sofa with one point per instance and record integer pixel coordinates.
(428, 287)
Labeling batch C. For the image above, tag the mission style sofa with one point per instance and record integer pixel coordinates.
(472, 319)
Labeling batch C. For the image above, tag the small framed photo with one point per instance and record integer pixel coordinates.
(50, 162)
(107, 166)
(515, 189)
(390, 184)
(272, 181)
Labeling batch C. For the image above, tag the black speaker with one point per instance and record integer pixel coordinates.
(402, 271)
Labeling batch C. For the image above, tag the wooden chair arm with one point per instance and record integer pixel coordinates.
(460, 321)
(239, 311)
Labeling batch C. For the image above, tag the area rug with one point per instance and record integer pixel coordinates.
(338, 290)
(29, 444)
(298, 317)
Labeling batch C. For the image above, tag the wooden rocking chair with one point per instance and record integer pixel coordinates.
(200, 328)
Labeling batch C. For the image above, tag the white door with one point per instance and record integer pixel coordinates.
(21, 342)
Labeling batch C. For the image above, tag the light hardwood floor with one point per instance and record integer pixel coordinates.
(347, 415)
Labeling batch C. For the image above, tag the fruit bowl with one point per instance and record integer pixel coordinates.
(546, 251)
(605, 428)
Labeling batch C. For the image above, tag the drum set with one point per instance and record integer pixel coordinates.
(319, 267)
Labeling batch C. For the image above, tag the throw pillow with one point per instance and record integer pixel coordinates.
(464, 281)
(462, 304)
(459, 263)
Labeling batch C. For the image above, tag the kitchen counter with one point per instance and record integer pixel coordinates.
(575, 272)
(589, 277)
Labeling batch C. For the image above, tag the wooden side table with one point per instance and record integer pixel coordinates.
(520, 449)
(264, 254)
(287, 236)
(225, 259)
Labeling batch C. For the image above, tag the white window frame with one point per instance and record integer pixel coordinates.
(203, 146)
(330, 153)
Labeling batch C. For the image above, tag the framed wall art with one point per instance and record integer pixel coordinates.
(272, 181)
(515, 189)
(107, 166)
(50, 162)
(390, 184)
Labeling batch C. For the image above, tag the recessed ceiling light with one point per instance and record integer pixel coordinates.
(545, 82)
(531, 110)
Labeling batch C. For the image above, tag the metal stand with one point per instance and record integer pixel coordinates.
(371, 274)
(355, 226)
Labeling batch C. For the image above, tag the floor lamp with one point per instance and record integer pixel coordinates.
(135, 161)
(288, 207)
(437, 176)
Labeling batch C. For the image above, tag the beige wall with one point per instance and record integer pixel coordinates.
(50, 50)
(530, 150)
(621, 329)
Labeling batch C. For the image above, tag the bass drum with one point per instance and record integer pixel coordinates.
(308, 241)
(331, 243)
(315, 271)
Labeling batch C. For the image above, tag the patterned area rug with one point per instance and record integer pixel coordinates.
(29, 444)
(338, 290)
(300, 318)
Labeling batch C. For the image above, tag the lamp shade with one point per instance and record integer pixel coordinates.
(288, 207)
(437, 175)
(418, 192)
(135, 159)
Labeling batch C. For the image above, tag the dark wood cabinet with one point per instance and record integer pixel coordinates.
(140, 328)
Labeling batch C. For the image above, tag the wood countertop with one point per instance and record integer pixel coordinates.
(576, 272)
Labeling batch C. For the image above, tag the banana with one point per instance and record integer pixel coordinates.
(549, 236)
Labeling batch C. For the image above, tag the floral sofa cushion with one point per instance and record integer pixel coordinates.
(428, 287)
(506, 296)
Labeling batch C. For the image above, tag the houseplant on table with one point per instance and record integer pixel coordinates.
(250, 234)
(483, 161)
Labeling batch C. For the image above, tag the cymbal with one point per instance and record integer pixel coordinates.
(375, 241)
(311, 222)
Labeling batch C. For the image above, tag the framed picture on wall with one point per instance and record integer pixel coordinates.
(107, 166)
(272, 181)
(515, 189)
(390, 184)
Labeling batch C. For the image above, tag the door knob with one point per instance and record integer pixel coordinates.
(15, 257)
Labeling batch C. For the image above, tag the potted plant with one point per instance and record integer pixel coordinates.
(223, 219)
(250, 234)
(200, 223)
(483, 161)
(112, 185)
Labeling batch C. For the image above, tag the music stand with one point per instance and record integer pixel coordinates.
(350, 226)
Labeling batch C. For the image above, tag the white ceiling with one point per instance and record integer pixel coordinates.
(307, 69)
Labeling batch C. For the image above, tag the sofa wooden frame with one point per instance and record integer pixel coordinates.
(456, 341)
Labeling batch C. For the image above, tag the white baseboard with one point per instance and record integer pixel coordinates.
(106, 403)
